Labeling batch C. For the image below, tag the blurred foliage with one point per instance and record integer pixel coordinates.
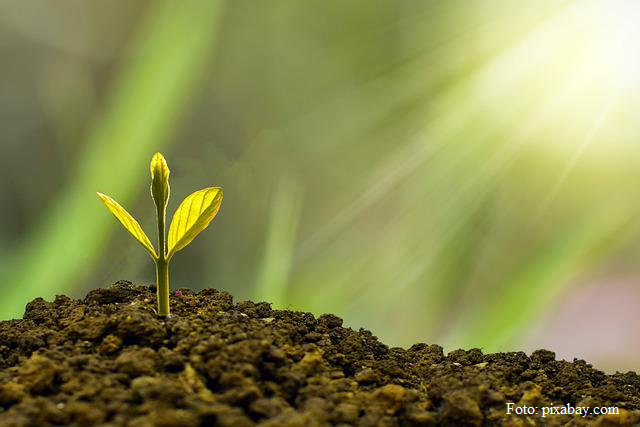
(433, 171)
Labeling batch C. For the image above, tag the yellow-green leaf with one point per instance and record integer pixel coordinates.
(128, 222)
(193, 215)
(159, 181)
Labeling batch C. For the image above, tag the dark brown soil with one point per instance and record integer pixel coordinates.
(109, 361)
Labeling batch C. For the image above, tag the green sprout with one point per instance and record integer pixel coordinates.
(192, 216)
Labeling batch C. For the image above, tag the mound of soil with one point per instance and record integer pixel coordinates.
(109, 361)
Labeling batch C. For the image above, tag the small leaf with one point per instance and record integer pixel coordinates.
(129, 223)
(159, 181)
(193, 215)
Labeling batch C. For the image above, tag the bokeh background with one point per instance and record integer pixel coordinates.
(460, 172)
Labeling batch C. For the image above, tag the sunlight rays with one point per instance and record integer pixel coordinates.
(539, 91)
(575, 158)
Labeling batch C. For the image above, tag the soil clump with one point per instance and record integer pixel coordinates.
(108, 361)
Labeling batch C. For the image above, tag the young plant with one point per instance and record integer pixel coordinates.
(193, 215)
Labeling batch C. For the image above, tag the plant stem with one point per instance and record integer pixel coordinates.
(162, 282)
(162, 265)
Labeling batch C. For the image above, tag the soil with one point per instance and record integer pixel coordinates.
(108, 360)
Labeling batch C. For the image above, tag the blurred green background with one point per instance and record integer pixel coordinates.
(454, 172)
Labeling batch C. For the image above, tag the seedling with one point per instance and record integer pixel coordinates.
(192, 216)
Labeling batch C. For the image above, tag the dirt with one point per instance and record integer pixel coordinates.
(108, 360)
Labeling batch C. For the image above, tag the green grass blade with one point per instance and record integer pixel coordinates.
(273, 275)
(167, 59)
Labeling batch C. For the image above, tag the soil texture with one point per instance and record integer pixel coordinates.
(108, 360)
